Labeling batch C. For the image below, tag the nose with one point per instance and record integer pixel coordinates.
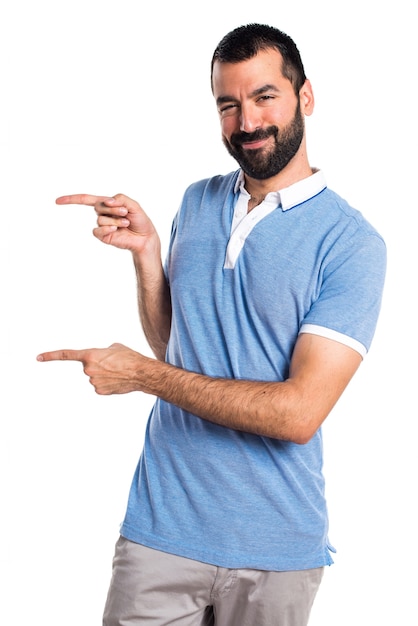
(249, 118)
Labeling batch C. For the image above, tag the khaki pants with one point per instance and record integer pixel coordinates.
(154, 588)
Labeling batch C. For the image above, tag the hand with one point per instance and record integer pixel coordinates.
(121, 222)
(110, 370)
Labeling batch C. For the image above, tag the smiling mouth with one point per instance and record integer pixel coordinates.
(255, 140)
(254, 145)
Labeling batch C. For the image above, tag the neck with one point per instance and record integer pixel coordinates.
(258, 189)
(297, 169)
(255, 200)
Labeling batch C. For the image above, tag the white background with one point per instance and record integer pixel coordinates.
(107, 97)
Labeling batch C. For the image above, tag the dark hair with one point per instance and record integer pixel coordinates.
(245, 42)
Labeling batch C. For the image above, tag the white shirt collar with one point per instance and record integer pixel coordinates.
(294, 194)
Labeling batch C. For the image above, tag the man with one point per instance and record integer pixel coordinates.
(265, 308)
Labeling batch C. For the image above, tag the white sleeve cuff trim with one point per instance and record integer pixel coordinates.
(313, 329)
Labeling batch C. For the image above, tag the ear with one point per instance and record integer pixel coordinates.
(307, 100)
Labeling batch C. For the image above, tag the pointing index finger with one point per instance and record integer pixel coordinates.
(82, 198)
(62, 355)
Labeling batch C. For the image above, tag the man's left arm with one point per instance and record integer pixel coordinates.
(291, 410)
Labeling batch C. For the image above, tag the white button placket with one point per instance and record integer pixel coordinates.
(244, 222)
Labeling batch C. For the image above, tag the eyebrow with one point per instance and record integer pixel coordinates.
(257, 92)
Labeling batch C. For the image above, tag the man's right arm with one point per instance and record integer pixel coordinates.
(154, 302)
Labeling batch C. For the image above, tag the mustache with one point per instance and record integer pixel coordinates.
(237, 139)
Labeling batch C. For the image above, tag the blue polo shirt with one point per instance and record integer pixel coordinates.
(243, 286)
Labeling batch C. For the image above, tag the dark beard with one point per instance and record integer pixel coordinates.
(262, 163)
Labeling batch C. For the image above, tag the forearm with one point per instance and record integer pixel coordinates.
(264, 408)
(291, 410)
(154, 303)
